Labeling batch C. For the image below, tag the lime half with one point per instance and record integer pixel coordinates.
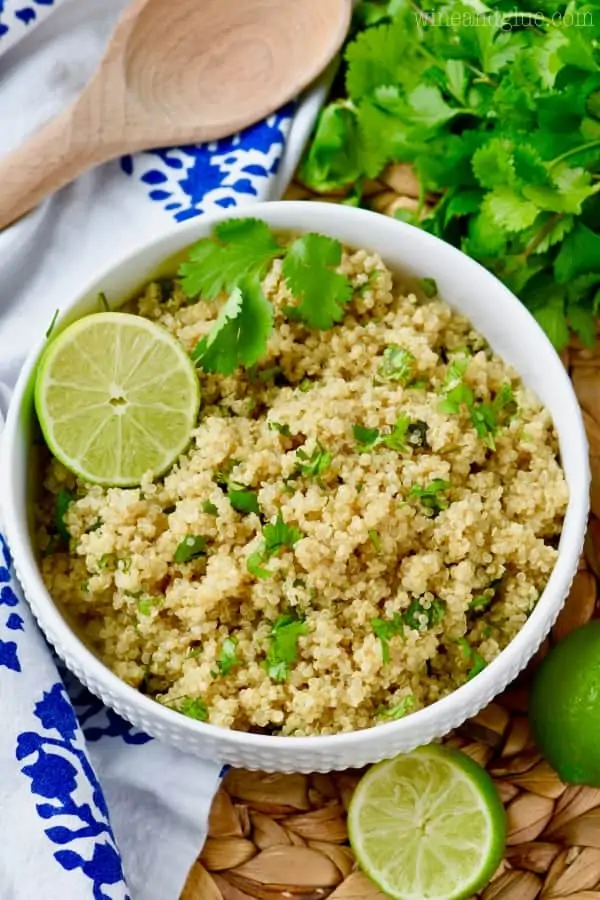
(116, 397)
(428, 825)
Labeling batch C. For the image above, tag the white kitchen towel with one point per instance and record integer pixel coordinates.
(90, 807)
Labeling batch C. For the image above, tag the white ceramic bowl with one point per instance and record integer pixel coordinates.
(511, 331)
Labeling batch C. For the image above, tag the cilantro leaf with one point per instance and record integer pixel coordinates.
(397, 439)
(280, 429)
(315, 464)
(366, 438)
(190, 548)
(194, 708)
(243, 499)
(240, 333)
(473, 656)
(432, 497)
(399, 710)
(578, 254)
(308, 269)
(277, 536)
(385, 630)
(239, 249)
(375, 539)
(210, 508)
(397, 364)
(551, 317)
(418, 617)
(509, 211)
(283, 646)
(332, 159)
(228, 659)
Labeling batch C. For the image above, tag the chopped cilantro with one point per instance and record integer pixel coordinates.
(193, 652)
(309, 270)
(429, 287)
(227, 657)
(397, 438)
(107, 561)
(481, 601)
(366, 438)
(221, 476)
(400, 709)
(418, 617)
(432, 497)
(283, 646)
(85, 586)
(477, 661)
(281, 429)
(397, 365)
(194, 708)
(190, 548)
(276, 537)
(305, 385)
(315, 464)
(124, 564)
(375, 539)
(146, 605)
(486, 418)
(238, 249)
(62, 503)
(209, 508)
(243, 499)
(385, 630)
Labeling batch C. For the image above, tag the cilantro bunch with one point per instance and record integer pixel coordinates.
(498, 110)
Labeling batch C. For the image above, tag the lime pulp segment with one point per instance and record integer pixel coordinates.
(428, 825)
(116, 397)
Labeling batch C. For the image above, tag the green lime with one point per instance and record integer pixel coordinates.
(564, 706)
(428, 825)
(116, 397)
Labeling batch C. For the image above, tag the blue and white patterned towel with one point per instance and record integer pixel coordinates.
(90, 807)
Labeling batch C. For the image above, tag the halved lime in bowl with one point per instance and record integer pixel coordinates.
(116, 397)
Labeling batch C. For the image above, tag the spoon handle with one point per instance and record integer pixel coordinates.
(52, 157)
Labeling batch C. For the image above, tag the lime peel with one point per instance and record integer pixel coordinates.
(117, 398)
(428, 825)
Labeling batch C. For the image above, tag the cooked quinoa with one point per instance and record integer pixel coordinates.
(343, 543)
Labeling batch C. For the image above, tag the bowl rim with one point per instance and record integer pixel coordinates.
(55, 625)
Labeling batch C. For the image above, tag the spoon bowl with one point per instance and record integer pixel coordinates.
(175, 73)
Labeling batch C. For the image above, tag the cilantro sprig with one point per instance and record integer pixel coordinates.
(190, 548)
(498, 112)
(233, 262)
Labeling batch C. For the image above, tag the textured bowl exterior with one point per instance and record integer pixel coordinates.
(511, 331)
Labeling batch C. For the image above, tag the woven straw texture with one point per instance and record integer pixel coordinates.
(284, 837)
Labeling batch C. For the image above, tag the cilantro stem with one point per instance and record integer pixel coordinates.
(573, 152)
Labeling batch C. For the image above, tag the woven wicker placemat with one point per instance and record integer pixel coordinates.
(284, 837)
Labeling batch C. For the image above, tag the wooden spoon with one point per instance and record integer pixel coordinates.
(177, 72)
